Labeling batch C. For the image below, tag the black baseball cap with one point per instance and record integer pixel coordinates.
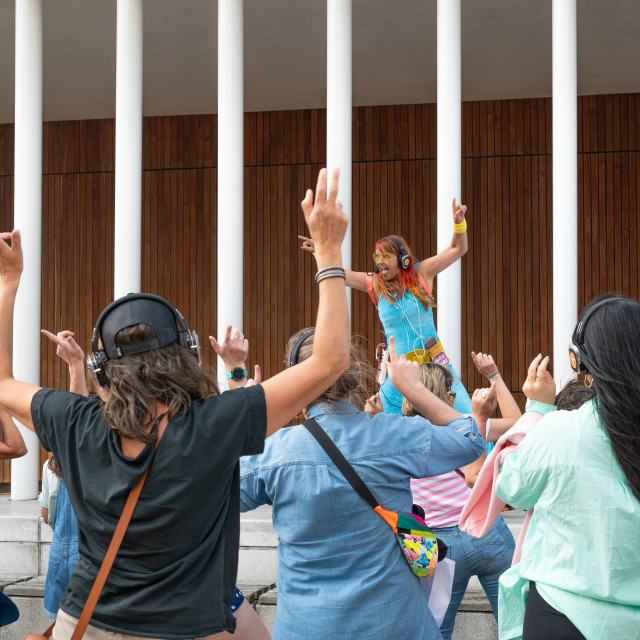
(132, 309)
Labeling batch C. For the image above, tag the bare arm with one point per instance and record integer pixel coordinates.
(431, 267)
(69, 351)
(405, 376)
(15, 396)
(44, 512)
(354, 279)
(295, 388)
(483, 404)
(13, 445)
(508, 406)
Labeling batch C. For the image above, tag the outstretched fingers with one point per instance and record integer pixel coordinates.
(533, 368)
(321, 186)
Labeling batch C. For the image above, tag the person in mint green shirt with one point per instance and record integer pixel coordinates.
(579, 575)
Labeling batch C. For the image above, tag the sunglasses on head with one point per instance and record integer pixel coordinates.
(386, 257)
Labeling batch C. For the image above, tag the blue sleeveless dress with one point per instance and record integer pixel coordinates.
(412, 325)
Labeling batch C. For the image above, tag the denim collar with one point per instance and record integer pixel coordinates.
(332, 408)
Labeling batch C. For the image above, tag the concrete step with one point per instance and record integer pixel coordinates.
(24, 552)
(28, 596)
(474, 621)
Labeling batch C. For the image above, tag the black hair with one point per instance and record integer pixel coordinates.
(612, 342)
(573, 395)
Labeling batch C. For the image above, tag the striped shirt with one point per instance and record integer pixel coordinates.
(442, 497)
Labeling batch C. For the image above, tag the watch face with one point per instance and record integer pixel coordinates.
(238, 374)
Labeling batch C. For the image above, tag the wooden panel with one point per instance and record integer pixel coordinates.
(506, 183)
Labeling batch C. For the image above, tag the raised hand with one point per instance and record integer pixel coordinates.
(484, 402)
(11, 262)
(233, 349)
(67, 348)
(459, 211)
(540, 384)
(307, 244)
(257, 377)
(373, 405)
(325, 219)
(484, 363)
(404, 374)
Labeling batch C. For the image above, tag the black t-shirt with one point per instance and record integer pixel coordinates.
(174, 575)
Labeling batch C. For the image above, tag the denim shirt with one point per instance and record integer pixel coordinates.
(341, 571)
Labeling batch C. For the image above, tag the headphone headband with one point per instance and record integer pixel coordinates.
(293, 358)
(578, 356)
(448, 377)
(130, 310)
(404, 259)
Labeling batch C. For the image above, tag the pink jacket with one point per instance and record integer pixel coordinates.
(484, 505)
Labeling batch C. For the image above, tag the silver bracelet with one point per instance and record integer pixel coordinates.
(335, 272)
(335, 266)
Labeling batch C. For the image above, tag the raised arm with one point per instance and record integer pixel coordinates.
(483, 404)
(353, 279)
(69, 350)
(233, 351)
(13, 445)
(14, 395)
(506, 402)
(431, 267)
(295, 388)
(405, 376)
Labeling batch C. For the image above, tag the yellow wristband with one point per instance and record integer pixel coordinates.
(460, 227)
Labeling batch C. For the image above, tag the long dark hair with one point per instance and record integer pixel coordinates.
(170, 375)
(612, 348)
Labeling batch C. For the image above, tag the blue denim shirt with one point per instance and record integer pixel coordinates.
(341, 571)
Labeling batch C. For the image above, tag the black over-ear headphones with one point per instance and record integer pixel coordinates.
(578, 357)
(404, 259)
(448, 376)
(293, 358)
(135, 308)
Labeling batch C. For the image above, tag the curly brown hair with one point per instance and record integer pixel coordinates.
(353, 385)
(170, 375)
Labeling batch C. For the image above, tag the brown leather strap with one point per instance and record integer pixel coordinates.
(49, 631)
(110, 556)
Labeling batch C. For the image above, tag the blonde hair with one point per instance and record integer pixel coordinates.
(352, 386)
(434, 378)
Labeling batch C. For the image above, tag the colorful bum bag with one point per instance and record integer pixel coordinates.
(419, 545)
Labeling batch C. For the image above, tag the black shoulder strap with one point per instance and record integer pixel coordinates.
(340, 461)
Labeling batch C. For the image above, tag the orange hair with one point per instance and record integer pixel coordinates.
(409, 275)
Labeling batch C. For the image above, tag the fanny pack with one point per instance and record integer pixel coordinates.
(419, 545)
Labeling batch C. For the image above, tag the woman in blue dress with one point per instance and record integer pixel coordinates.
(401, 288)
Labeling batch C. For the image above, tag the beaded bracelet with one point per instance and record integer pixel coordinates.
(334, 271)
(460, 227)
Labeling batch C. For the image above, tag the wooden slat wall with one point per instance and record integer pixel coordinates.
(506, 183)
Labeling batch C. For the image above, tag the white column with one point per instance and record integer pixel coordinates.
(565, 184)
(339, 108)
(449, 131)
(127, 257)
(230, 243)
(28, 218)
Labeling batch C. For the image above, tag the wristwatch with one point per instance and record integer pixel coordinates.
(237, 373)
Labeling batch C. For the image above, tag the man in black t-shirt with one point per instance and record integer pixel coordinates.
(174, 574)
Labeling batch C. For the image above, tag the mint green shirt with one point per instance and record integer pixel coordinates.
(582, 547)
